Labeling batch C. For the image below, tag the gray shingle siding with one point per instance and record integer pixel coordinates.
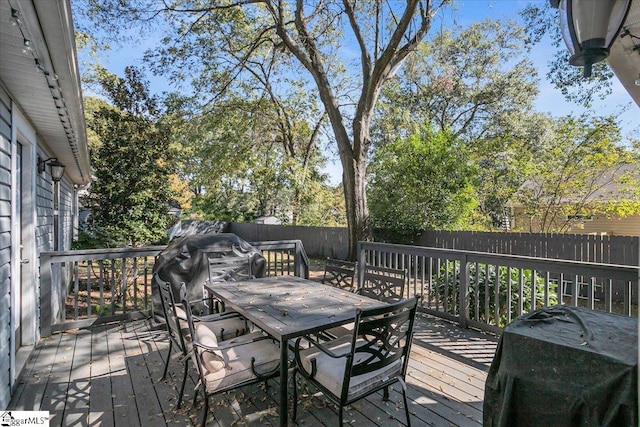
(5, 250)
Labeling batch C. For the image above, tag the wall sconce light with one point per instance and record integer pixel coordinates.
(589, 28)
(57, 168)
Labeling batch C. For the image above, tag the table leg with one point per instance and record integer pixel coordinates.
(284, 370)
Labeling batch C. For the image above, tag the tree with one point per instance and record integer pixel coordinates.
(242, 161)
(468, 81)
(584, 170)
(477, 84)
(542, 21)
(421, 182)
(220, 37)
(130, 194)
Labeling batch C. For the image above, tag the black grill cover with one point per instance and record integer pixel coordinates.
(564, 366)
(186, 259)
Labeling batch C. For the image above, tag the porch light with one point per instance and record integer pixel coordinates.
(57, 168)
(589, 28)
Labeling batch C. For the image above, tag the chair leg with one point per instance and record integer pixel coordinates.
(184, 381)
(406, 403)
(385, 394)
(295, 395)
(206, 410)
(340, 412)
(166, 362)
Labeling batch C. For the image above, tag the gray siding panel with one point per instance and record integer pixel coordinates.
(5, 344)
(5, 254)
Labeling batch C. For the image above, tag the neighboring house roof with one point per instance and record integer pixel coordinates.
(619, 183)
(624, 58)
(45, 81)
(268, 220)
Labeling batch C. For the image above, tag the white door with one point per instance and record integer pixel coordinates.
(18, 230)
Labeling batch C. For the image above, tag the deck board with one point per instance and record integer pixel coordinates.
(109, 375)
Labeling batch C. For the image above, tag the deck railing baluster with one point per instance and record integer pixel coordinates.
(530, 283)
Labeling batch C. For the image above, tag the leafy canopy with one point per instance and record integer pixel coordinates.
(129, 197)
(421, 182)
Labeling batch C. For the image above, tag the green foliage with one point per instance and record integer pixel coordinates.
(323, 206)
(131, 158)
(484, 281)
(420, 182)
(583, 170)
(542, 21)
(476, 84)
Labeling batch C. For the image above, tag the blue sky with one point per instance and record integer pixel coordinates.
(549, 100)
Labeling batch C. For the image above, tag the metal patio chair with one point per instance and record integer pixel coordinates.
(383, 284)
(222, 270)
(340, 274)
(379, 283)
(224, 326)
(226, 365)
(374, 357)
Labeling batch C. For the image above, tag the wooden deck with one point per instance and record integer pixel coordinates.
(108, 376)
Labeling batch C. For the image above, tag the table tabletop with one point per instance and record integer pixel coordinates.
(288, 306)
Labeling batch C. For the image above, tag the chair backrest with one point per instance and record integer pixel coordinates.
(339, 273)
(382, 336)
(172, 319)
(229, 268)
(383, 284)
(184, 299)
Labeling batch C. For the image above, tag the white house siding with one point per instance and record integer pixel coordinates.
(44, 211)
(43, 236)
(66, 209)
(627, 226)
(5, 250)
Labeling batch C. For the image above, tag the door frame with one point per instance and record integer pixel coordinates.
(23, 133)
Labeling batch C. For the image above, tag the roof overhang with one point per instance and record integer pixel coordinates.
(48, 94)
(624, 58)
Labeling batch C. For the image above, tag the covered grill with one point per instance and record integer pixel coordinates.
(186, 259)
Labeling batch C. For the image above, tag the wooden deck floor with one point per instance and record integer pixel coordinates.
(108, 376)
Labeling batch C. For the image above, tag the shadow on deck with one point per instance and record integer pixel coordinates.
(108, 376)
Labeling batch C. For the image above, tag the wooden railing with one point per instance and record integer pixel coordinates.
(487, 291)
(84, 287)
(284, 257)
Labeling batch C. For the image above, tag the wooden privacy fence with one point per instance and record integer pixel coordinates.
(576, 247)
(487, 291)
(319, 242)
(332, 242)
(83, 287)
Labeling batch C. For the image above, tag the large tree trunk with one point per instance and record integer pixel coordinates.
(354, 182)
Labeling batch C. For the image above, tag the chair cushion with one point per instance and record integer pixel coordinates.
(213, 361)
(330, 371)
(224, 328)
(232, 366)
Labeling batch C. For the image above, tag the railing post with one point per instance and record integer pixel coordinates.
(361, 264)
(45, 296)
(301, 271)
(463, 307)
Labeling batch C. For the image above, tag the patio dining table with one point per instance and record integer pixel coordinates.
(288, 307)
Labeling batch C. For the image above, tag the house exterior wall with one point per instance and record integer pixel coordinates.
(616, 226)
(19, 299)
(5, 251)
(627, 226)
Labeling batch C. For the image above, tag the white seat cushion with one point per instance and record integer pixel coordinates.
(224, 328)
(330, 371)
(228, 367)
